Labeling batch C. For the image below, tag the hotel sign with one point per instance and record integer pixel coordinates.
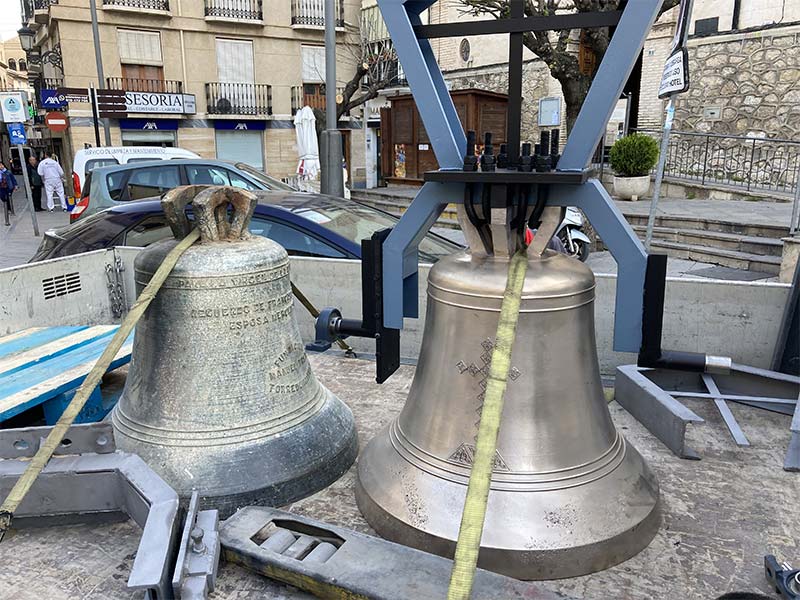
(156, 102)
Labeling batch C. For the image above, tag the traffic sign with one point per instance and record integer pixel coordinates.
(16, 131)
(13, 107)
(56, 121)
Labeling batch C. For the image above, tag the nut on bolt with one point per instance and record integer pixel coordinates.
(198, 547)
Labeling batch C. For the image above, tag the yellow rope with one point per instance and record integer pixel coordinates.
(45, 452)
(472, 519)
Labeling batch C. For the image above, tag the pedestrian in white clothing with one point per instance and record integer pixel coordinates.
(53, 177)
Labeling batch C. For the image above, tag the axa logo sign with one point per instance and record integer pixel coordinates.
(241, 126)
(54, 101)
(150, 125)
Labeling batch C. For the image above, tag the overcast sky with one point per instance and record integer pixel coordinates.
(9, 18)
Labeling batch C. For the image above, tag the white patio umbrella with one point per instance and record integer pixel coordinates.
(307, 147)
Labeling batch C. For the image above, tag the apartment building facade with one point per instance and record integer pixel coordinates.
(744, 59)
(222, 78)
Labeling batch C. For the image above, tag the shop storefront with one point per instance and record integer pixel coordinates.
(241, 141)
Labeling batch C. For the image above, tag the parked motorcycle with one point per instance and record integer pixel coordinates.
(570, 232)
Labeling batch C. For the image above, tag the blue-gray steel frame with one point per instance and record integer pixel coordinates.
(436, 108)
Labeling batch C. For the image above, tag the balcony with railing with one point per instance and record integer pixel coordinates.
(238, 10)
(311, 13)
(51, 83)
(158, 86)
(143, 5)
(40, 12)
(254, 99)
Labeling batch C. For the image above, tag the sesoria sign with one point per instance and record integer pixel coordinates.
(155, 102)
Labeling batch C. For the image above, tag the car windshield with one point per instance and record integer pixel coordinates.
(356, 222)
(269, 182)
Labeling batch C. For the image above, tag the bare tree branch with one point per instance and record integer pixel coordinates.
(554, 48)
(374, 62)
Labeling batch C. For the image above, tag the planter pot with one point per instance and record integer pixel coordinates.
(631, 188)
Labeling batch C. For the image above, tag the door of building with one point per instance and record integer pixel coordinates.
(241, 146)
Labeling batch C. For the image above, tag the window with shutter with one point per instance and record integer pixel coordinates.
(139, 47)
(313, 64)
(235, 61)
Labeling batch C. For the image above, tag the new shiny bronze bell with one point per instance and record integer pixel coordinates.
(569, 495)
(220, 396)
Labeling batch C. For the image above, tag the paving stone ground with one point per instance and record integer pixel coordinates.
(17, 242)
(721, 514)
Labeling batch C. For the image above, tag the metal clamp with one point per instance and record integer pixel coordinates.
(198, 553)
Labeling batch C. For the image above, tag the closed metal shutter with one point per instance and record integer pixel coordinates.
(139, 47)
(235, 61)
(241, 146)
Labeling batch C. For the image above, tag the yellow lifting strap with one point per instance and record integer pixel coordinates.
(45, 452)
(480, 479)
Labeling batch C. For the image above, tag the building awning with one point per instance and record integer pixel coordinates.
(232, 125)
(149, 124)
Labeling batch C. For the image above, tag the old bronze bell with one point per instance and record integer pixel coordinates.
(569, 495)
(220, 396)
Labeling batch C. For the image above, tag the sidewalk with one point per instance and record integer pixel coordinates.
(17, 242)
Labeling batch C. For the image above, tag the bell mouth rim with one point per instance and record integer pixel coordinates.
(163, 436)
(508, 480)
(526, 564)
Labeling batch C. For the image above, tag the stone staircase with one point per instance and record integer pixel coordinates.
(751, 247)
(734, 245)
(398, 203)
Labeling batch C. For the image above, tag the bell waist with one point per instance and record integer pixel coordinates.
(224, 436)
(504, 478)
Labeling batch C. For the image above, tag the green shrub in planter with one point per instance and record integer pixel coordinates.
(634, 155)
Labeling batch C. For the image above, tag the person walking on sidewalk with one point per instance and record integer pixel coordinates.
(36, 183)
(53, 177)
(8, 185)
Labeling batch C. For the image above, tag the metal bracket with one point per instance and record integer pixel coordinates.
(781, 576)
(198, 554)
(89, 487)
(651, 395)
(333, 562)
(437, 111)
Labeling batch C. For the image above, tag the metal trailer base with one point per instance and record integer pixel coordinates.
(332, 562)
(650, 395)
(89, 481)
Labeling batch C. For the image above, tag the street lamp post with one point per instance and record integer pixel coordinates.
(331, 152)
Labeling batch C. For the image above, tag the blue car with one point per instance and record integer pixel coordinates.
(305, 224)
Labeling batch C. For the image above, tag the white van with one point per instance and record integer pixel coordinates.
(91, 158)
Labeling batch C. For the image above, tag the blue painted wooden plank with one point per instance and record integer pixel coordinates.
(91, 412)
(37, 338)
(66, 386)
(17, 382)
(101, 333)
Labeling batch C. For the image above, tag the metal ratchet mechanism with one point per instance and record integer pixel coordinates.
(497, 195)
(782, 577)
